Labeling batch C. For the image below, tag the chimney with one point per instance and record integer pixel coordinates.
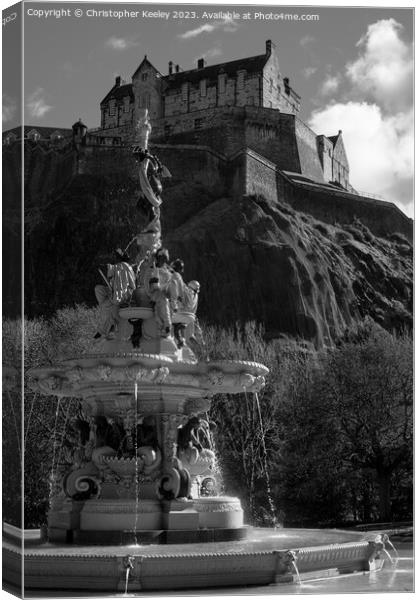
(286, 82)
(117, 81)
(200, 63)
(177, 69)
(170, 65)
(269, 46)
(340, 131)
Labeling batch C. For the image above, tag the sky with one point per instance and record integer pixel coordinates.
(352, 67)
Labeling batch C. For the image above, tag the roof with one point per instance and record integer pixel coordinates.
(146, 61)
(334, 138)
(45, 132)
(252, 64)
(119, 91)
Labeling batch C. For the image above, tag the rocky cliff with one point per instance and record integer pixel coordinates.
(299, 276)
(256, 260)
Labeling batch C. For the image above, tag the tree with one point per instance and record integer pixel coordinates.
(368, 388)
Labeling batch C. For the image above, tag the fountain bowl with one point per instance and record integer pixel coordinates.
(266, 556)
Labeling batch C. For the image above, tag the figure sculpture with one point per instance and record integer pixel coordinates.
(150, 172)
(193, 332)
(121, 283)
(158, 287)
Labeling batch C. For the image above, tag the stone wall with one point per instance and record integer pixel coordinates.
(276, 94)
(326, 204)
(308, 152)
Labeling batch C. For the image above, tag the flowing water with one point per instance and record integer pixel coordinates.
(265, 463)
(294, 565)
(52, 476)
(397, 557)
(136, 517)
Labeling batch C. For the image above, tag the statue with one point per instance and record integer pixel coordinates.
(158, 287)
(188, 443)
(151, 171)
(121, 283)
(178, 291)
(193, 331)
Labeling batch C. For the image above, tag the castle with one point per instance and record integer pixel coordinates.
(189, 106)
(233, 128)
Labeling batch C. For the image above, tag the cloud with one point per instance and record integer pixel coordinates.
(306, 40)
(384, 69)
(309, 71)
(379, 146)
(330, 85)
(36, 104)
(228, 25)
(9, 108)
(117, 43)
(192, 33)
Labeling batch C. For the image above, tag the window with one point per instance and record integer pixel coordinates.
(112, 108)
(222, 83)
(127, 104)
(203, 87)
(185, 91)
(241, 79)
(144, 76)
(198, 123)
(168, 130)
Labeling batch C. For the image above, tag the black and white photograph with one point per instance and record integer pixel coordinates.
(207, 299)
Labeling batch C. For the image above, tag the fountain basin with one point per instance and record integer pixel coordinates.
(266, 557)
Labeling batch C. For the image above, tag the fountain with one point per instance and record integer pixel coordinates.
(137, 505)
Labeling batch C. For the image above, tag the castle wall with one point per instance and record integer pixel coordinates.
(118, 114)
(325, 153)
(340, 165)
(259, 177)
(328, 205)
(206, 94)
(274, 91)
(272, 135)
(308, 152)
(147, 90)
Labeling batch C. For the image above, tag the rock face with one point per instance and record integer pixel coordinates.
(256, 260)
(298, 276)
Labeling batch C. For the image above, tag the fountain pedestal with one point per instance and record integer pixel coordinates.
(137, 474)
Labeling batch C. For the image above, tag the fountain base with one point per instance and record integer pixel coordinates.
(154, 536)
(123, 521)
(266, 557)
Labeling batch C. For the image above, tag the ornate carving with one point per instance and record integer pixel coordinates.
(222, 505)
(83, 483)
(104, 506)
